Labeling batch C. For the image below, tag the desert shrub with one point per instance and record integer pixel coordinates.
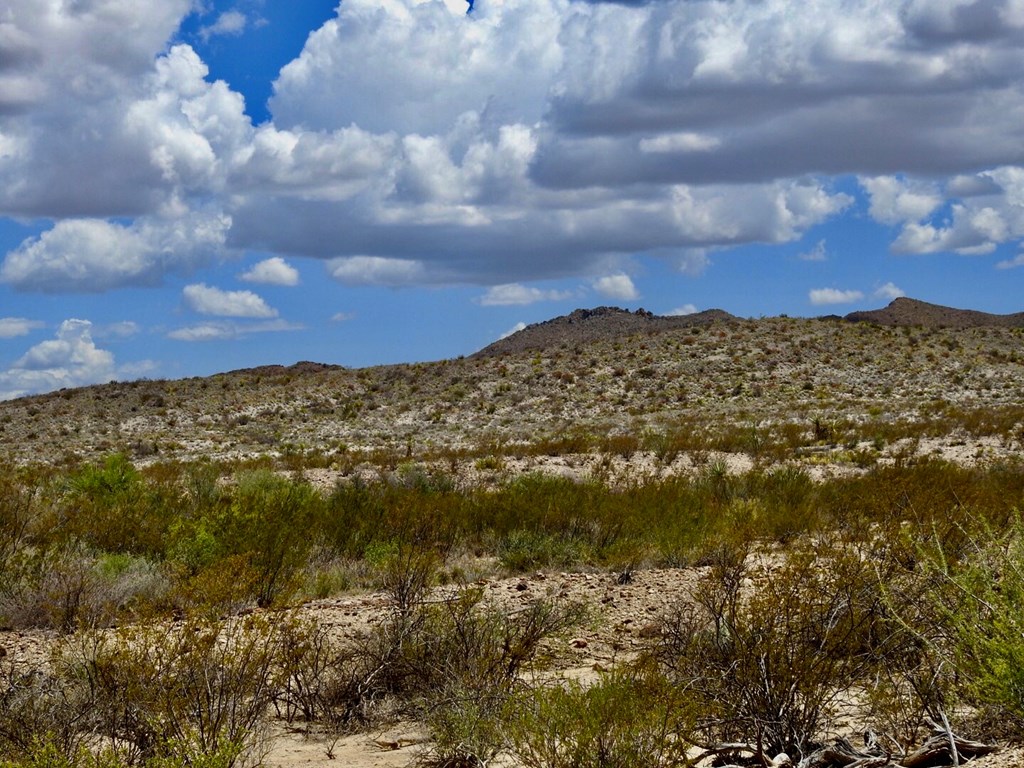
(976, 625)
(524, 550)
(464, 664)
(44, 753)
(633, 716)
(767, 665)
(16, 514)
(197, 689)
(266, 523)
(110, 507)
(360, 518)
(41, 716)
(68, 588)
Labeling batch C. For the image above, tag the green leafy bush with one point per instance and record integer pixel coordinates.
(632, 717)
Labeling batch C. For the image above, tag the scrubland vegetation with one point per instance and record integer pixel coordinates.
(897, 591)
(844, 501)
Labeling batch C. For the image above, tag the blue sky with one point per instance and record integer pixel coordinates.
(188, 188)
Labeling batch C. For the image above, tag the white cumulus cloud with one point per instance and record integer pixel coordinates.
(227, 330)
(515, 293)
(520, 326)
(824, 296)
(227, 23)
(531, 140)
(896, 201)
(889, 291)
(10, 327)
(619, 286)
(71, 359)
(817, 253)
(686, 309)
(93, 255)
(207, 300)
(375, 270)
(272, 271)
(1016, 261)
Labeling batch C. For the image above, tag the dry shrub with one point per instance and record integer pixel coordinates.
(68, 588)
(766, 653)
(198, 688)
(37, 707)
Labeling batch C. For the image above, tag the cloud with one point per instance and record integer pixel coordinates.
(820, 296)
(889, 291)
(222, 331)
(71, 359)
(94, 255)
(342, 317)
(514, 329)
(817, 253)
(896, 201)
(517, 294)
(618, 287)
(1016, 261)
(535, 139)
(973, 231)
(816, 89)
(375, 270)
(207, 300)
(272, 271)
(686, 309)
(679, 142)
(117, 125)
(503, 58)
(204, 332)
(122, 330)
(10, 327)
(227, 23)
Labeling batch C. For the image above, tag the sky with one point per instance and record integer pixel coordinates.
(195, 186)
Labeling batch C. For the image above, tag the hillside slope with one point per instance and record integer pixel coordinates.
(911, 312)
(728, 375)
(585, 326)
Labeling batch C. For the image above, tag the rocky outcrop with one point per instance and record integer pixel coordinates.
(911, 312)
(584, 326)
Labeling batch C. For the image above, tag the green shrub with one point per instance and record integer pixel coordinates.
(631, 717)
(980, 602)
(270, 522)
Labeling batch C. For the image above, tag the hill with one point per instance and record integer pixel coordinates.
(585, 326)
(911, 312)
(600, 372)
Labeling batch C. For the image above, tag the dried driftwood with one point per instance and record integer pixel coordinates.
(943, 748)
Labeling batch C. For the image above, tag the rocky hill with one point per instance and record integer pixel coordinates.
(600, 372)
(911, 312)
(585, 326)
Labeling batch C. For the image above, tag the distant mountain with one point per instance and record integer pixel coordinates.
(588, 325)
(907, 312)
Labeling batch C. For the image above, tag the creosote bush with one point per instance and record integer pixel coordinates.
(192, 693)
(630, 717)
(766, 653)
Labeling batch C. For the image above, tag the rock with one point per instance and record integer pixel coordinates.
(578, 642)
(650, 631)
